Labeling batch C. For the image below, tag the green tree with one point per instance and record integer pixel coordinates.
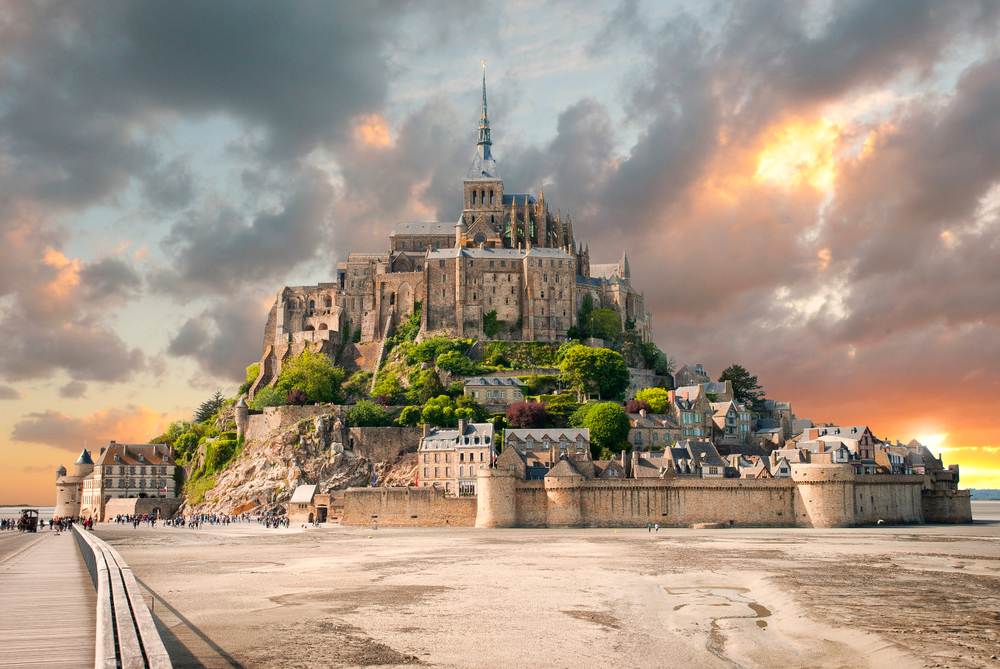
(186, 444)
(315, 374)
(252, 372)
(268, 396)
(209, 407)
(456, 363)
(368, 414)
(441, 412)
(432, 386)
(657, 398)
(612, 374)
(579, 368)
(579, 417)
(389, 386)
(601, 370)
(479, 414)
(746, 390)
(605, 324)
(608, 425)
(491, 326)
(409, 417)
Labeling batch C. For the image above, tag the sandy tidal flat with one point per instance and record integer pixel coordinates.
(341, 597)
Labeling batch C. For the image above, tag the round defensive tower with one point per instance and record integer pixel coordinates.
(69, 489)
(242, 416)
(84, 464)
(496, 505)
(563, 497)
(824, 495)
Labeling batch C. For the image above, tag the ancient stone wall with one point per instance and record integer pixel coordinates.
(407, 507)
(947, 506)
(127, 506)
(259, 426)
(895, 500)
(383, 443)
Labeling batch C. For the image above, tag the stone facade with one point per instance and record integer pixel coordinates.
(449, 459)
(128, 470)
(507, 253)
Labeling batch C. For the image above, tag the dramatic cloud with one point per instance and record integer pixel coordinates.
(224, 339)
(8, 393)
(126, 425)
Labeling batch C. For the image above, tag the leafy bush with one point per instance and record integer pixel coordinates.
(268, 396)
(409, 417)
(430, 349)
(388, 386)
(186, 444)
(527, 414)
(368, 414)
(440, 412)
(357, 336)
(491, 326)
(478, 411)
(218, 454)
(456, 363)
(657, 398)
(496, 353)
(601, 370)
(407, 330)
(296, 397)
(635, 406)
(253, 371)
(579, 417)
(456, 389)
(359, 383)
(313, 373)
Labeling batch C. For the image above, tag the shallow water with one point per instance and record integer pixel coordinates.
(986, 510)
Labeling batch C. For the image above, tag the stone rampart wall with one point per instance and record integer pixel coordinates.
(947, 506)
(895, 500)
(127, 506)
(259, 426)
(407, 507)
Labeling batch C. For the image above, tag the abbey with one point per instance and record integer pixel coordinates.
(507, 259)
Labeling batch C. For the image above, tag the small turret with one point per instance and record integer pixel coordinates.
(242, 416)
(84, 464)
(60, 472)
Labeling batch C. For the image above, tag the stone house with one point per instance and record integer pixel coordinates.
(777, 414)
(542, 447)
(652, 432)
(450, 458)
(142, 471)
(686, 459)
(858, 439)
(308, 505)
(691, 375)
(692, 411)
(716, 391)
(495, 391)
(733, 422)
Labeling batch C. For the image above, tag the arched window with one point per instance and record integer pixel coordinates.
(482, 196)
(312, 304)
(323, 326)
(329, 302)
(491, 197)
(473, 197)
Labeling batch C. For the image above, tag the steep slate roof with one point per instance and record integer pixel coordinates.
(84, 458)
(482, 168)
(552, 434)
(451, 437)
(606, 270)
(563, 469)
(714, 387)
(128, 454)
(652, 420)
(494, 381)
(303, 494)
(429, 228)
(508, 198)
(605, 468)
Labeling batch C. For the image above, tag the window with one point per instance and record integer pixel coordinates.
(402, 248)
(470, 262)
(461, 457)
(491, 197)
(442, 295)
(474, 197)
(447, 471)
(491, 267)
(420, 246)
(444, 278)
(121, 483)
(461, 471)
(440, 263)
(131, 470)
(545, 278)
(437, 458)
(552, 263)
(560, 263)
(121, 470)
(481, 456)
(436, 470)
(437, 245)
(356, 269)
(531, 262)
(426, 456)
(447, 457)
(570, 263)
(560, 297)
(503, 263)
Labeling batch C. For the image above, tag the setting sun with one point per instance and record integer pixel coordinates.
(800, 153)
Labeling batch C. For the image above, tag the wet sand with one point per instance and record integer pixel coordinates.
(341, 597)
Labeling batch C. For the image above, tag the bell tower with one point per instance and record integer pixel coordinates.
(483, 206)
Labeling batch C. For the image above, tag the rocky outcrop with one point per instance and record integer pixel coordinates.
(263, 476)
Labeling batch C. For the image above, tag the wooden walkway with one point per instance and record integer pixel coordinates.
(48, 606)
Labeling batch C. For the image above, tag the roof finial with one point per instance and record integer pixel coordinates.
(484, 120)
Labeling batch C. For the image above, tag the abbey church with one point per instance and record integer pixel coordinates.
(507, 259)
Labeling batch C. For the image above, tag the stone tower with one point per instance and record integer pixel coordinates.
(496, 494)
(69, 489)
(483, 211)
(242, 416)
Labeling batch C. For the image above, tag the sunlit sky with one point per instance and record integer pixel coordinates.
(811, 190)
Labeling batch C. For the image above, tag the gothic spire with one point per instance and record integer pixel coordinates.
(484, 120)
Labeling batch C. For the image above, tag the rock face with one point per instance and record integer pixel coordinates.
(264, 476)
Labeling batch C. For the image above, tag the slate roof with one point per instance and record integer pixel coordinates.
(714, 387)
(84, 458)
(508, 198)
(450, 438)
(551, 434)
(428, 228)
(563, 469)
(494, 381)
(303, 494)
(606, 270)
(128, 454)
(482, 168)
(653, 420)
(475, 252)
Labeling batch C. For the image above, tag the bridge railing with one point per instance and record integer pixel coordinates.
(126, 634)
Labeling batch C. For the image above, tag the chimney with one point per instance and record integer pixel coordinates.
(642, 412)
(461, 426)
(427, 430)
(700, 368)
(672, 396)
(623, 460)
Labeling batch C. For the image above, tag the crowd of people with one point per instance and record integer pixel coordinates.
(57, 524)
(196, 520)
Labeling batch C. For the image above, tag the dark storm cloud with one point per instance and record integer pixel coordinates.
(217, 252)
(110, 279)
(73, 390)
(8, 393)
(224, 339)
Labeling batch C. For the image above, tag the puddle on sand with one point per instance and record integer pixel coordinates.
(733, 597)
